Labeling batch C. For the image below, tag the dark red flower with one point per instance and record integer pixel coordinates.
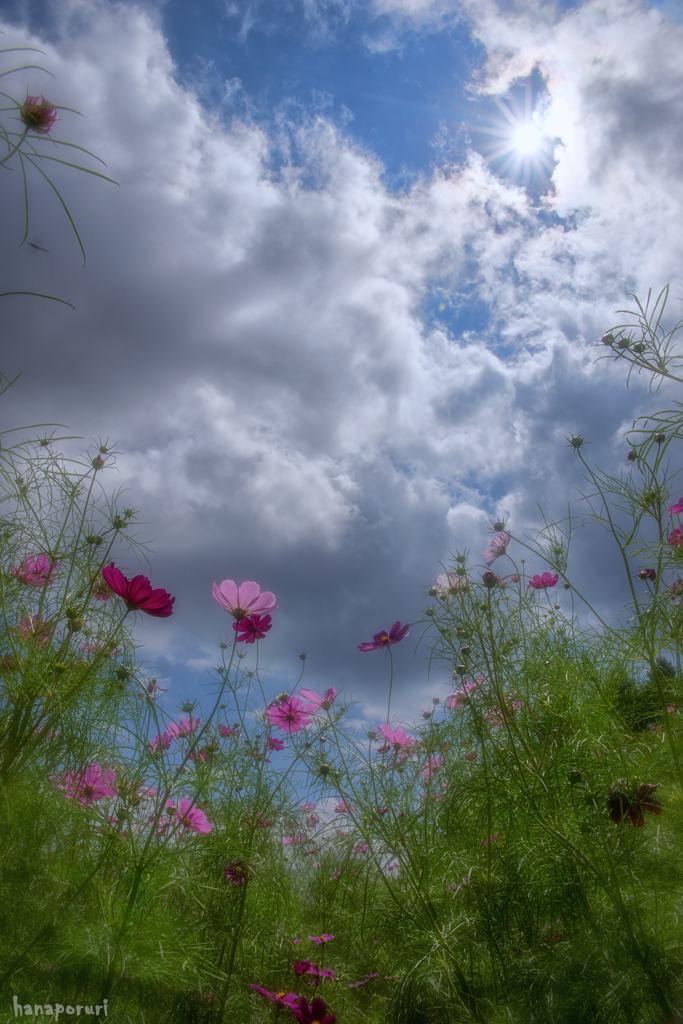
(138, 593)
(621, 804)
(252, 628)
(647, 574)
(316, 1013)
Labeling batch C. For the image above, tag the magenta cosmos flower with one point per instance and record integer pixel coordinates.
(237, 872)
(36, 570)
(285, 1000)
(38, 114)
(138, 593)
(244, 600)
(192, 818)
(89, 785)
(677, 509)
(320, 939)
(498, 546)
(384, 639)
(675, 539)
(316, 1013)
(290, 715)
(317, 703)
(252, 628)
(544, 581)
(399, 739)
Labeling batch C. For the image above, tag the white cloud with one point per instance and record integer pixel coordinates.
(250, 329)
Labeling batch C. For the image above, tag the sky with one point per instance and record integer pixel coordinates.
(335, 322)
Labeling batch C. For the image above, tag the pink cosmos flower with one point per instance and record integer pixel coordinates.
(384, 639)
(343, 807)
(161, 743)
(451, 584)
(399, 739)
(138, 593)
(97, 648)
(498, 546)
(291, 715)
(274, 744)
(317, 703)
(89, 785)
(192, 817)
(35, 629)
(470, 757)
(284, 1000)
(293, 840)
(677, 509)
(244, 600)
(36, 570)
(495, 715)
(186, 727)
(432, 767)
(489, 839)
(675, 538)
(252, 628)
(225, 731)
(307, 807)
(544, 581)
(38, 114)
(461, 696)
(320, 939)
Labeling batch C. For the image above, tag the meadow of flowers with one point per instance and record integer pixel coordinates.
(514, 855)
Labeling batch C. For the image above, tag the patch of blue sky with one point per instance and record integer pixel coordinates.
(396, 103)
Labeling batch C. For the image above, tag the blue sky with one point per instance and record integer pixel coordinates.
(333, 338)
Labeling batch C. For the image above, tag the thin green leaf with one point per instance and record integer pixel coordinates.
(27, 67)
(23, 174)
(41, 296)
(64, 206)
(77, 167)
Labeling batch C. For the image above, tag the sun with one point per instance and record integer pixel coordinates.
(527, 138)
(515, 144)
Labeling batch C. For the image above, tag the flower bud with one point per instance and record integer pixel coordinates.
(118, 523)
(324, 769)
(303, 655)
(430, 612)
(97, 462)
(188, 706)
(371, 734)
(72, 613)
(632, 455)
(465, 650)
(461, 669)
(607, 339)
(94, 539)
(499, 525)
(623, 343)
(659, 438)
(38, 114)
(639, 348)
(576, 441)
